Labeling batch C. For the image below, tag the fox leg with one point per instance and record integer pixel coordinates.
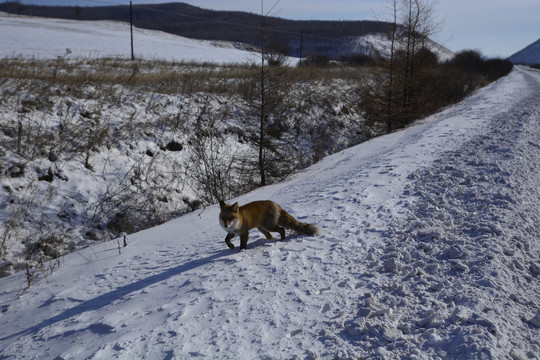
(243, 240)
(281, 232)
(278, 229)
(265, 232)
(228, 240)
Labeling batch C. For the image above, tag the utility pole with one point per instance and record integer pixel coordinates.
(131, 28)
(301, 44)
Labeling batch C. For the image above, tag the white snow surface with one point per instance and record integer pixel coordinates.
(380, 44)
(431, 250)
(44, 38)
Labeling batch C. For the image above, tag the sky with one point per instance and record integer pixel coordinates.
(498, 28)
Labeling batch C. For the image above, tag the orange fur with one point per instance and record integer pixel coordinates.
(264, 215)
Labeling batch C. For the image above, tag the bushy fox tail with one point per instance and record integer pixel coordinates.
(289, 222)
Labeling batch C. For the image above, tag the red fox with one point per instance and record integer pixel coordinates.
(264, 215)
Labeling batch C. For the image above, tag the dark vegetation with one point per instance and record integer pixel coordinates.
(433, 85)
(409, 82)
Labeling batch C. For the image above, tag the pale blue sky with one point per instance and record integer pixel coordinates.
(495, 27)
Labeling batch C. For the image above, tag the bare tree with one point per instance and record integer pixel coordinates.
(269, 86)
(392, 35)
(390, 97)
(419, 24)
(212, 163)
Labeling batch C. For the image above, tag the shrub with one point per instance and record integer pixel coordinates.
(394, 99)
(473, 63)
(357, 60)
(315, 60)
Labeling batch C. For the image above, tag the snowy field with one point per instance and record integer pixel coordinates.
(431, 250)
(44, 38)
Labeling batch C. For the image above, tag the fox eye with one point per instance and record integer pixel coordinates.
(227, 219)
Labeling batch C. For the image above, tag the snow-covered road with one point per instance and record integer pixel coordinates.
(431, 249)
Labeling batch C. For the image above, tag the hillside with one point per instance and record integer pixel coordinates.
(528, 55)
(93, 144)
(40, 38)
(430, 250)
(332, 38)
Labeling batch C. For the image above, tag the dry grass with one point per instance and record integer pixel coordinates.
(159, 76)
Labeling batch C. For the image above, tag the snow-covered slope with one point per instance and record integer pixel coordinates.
(379, 44)
(431, 249)
(375, 44)
(49, 38)
(46, 174)
(528, 55)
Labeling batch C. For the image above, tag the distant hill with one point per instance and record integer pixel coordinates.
(529, 55)
(297, 38)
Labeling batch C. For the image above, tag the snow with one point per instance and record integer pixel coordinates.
(50, 38)
(430, 250)
(380, 44)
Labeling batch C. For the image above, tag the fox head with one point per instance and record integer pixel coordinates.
(229, 217)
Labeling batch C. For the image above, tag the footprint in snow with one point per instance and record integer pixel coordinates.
(295, 332)
(325, 308)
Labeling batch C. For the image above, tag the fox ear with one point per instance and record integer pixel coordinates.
(222, 203)
(235, 207)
